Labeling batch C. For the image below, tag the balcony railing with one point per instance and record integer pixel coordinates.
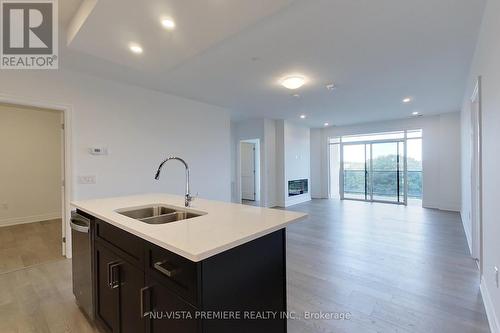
(384, 183)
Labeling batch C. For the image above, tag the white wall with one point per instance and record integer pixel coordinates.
(440, 150)
(487, 64)
(139, 127)
(315, 149)
(284, 154)
(30, 171)
(269, 176)
(297, 160)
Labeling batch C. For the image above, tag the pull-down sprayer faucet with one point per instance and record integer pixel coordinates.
(188, 197)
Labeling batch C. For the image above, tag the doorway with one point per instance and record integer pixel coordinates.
(476, 176)
(250, 171)
(32, 229)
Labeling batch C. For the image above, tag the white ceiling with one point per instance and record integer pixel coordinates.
(232, 53)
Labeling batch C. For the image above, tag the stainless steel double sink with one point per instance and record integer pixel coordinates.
(158, 214)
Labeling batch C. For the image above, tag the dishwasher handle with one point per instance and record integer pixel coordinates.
(79, 223)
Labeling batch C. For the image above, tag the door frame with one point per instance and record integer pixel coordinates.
(66, 177)
(476, 177)
(254, 145)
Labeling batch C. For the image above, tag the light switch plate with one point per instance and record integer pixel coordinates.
(98, 151)
(89, 179)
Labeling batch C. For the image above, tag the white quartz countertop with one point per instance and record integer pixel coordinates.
(224, 226)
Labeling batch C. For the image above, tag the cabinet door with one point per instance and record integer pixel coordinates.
(163, 305)
(131, 281)
(107, 295)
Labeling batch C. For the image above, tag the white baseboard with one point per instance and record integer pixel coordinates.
(490, 309)
(29, 219)
(445, 207)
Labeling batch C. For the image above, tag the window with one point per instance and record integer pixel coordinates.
(383, 167)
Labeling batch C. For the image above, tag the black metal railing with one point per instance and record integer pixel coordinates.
(384, 182)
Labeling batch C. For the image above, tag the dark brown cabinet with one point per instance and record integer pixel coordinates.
(107, 296)
(140, 287)
(118, 292)
(131, 281)
(169, 313)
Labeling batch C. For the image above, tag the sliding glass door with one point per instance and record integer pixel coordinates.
(374, 171)
(355, 171)
(387, 172)
(382, 167)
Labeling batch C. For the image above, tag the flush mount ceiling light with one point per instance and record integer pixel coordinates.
(326, 124)
(302, 116)
(293, 82)
(135, 48)
(407, 100)
(168, 23)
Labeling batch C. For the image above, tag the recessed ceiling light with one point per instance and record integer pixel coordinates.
(137, 49)
(415, 113)
(326, 124)
(293, 82)
(302, 116)
(168, 23)
(407, 100)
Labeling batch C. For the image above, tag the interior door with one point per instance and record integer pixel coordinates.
(247, 171)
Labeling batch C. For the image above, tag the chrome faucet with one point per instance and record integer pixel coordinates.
(188, 197)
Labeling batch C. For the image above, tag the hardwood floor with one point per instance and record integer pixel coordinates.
(40, 299)
(29, 244)
(392, 268)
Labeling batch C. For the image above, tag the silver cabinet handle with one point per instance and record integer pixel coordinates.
(144, 313)
(166, 268)
(78, 227)
(112, 282)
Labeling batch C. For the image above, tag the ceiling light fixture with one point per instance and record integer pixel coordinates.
(302, 116)
(326, 124)
(407, 100)
(137, 49)
(168, 24)
(415, 113)
(293, 82)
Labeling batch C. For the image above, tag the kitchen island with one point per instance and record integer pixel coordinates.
(158, 266)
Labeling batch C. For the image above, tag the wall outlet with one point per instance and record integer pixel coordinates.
(496, 276)
(91, 179)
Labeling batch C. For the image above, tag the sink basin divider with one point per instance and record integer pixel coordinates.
(157, 216)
